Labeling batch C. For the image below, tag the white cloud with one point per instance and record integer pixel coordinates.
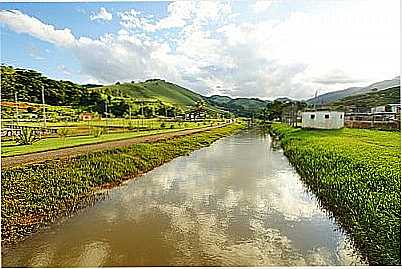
(103, 14)
(262, 6)
(22, 23)
(328, 48)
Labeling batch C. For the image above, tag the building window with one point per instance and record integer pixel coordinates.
(326, 116)
(312, 116)
(340, 116)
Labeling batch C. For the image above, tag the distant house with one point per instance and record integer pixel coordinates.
(86, 116)
(395, 108)
(323, 119)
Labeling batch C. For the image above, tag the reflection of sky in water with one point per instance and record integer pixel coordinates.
(237, 202)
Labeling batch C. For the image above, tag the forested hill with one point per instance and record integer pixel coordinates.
(155, 89)
(246, 107)
(28, 86)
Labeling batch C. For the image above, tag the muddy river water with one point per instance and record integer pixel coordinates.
(236, 202)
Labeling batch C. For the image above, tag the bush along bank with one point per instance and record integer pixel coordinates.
(36, 194)
(356, 175)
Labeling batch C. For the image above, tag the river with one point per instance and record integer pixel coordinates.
(236, 202)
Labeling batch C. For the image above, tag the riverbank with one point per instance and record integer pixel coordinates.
(356, 175)
(36, 194)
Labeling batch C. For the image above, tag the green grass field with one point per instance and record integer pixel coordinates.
(356, 174)
(11, 148)
(118, 122)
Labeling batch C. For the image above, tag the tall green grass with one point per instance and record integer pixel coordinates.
(356, 175)
(35, 194)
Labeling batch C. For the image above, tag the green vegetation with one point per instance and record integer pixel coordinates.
(63, 132)
(28, 85)
(356, 175)
(33, 195)
(372, 99)
(27, 137)
(97, 132)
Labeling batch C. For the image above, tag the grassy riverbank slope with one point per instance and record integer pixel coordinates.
(33, 195)
(355, 174)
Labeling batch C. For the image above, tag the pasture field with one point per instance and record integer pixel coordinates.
(113, 122)
(80, 133)
(355, 173)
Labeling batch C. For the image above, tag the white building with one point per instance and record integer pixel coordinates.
(323, 119)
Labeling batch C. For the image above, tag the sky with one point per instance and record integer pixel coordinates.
(264, 49)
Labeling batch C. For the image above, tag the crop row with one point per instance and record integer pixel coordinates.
(356, 175)
(33, 195)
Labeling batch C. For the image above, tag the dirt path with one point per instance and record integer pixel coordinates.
(80, 150)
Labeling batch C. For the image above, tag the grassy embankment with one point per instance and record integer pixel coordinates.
(33, 195)
(356, 175)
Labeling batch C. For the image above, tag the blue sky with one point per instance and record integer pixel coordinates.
(263, 49)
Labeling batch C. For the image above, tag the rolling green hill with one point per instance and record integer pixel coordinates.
(246, 107)
(154, 89)
(367, 100)
(151, 97)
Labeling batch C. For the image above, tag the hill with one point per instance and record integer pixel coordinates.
(336, 95)
(367, 100)
(154, 90)
(245, 107)
(149, 98)
(28, 84)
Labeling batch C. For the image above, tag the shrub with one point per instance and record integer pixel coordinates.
(131, 125)
(63, 132)
(27, 137)
(97, 132)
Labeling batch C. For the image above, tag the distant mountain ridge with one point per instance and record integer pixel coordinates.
(337, 95)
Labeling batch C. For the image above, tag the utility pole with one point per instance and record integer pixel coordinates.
(316, 99)
(16, 106)
(106, 114)
(142, 114)
(43, 103)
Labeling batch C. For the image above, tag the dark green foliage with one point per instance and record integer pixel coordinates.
(356, 175)
(35, 194)
(28, 85)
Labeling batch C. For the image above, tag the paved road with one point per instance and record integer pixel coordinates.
(80, 150)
